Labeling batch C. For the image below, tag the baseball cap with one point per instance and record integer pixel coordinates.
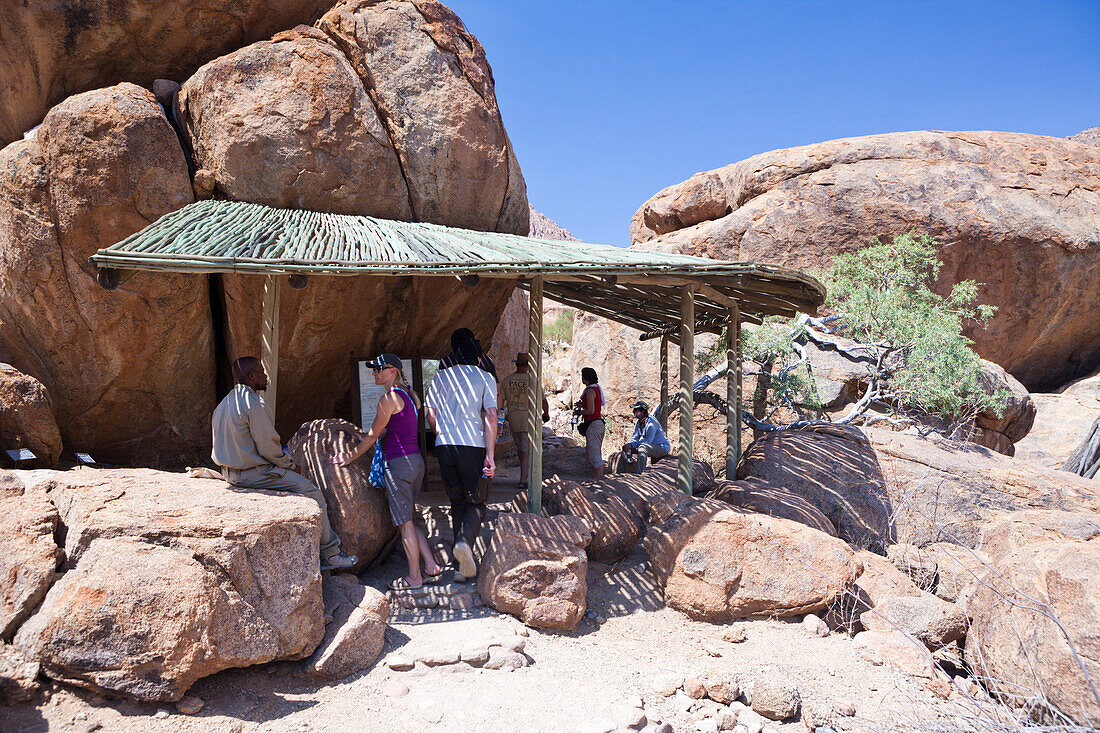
(640, 405)
(384, 360)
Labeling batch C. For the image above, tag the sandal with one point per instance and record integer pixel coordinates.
(403, 583)
(433, 578)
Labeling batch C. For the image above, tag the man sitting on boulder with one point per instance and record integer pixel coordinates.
(648, 442)
(251, 456)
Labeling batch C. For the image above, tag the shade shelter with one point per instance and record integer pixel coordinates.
(664, 295)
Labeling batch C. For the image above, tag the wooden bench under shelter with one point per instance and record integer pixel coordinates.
(669, 296)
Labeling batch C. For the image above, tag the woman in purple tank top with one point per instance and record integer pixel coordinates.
(404, 473)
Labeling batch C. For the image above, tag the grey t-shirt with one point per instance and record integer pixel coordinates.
(458, 394)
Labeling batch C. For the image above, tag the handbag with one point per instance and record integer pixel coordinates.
(582, 427)
(378, 467)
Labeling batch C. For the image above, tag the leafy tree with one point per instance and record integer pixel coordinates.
(918, 361)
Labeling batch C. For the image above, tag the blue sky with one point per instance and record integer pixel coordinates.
(608, 101)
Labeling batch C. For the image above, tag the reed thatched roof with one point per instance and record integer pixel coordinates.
(638, 288)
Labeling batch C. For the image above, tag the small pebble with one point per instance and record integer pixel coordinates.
(476, 655)
(845, 708)
(500, 658)
(395, 688)
(515, 643)
(190, 705)
(726, 719)
(814, 625)
(80, 716)
(399, 663)
(438, 657)
(667, 686)
(694, 688)
(707, 725)
(161, 714)
(734, 634)
(712, 651)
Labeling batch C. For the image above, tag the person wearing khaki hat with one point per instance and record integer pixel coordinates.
(649, 441)
(513, 391)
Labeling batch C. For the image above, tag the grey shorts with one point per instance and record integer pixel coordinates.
(403, 478)
(523, 441)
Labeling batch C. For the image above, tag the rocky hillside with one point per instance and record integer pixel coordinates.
(1018, 213)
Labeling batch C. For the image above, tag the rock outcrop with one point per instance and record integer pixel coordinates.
(942, 490)
(1033, 620)
(835, 468)
(359, 512)
(1008, 209)
(26, 418)
(407, 91)
(52, 51)
(383, 108)
(758, 496)
(932, 620)
(536, 569)
(28, 554)
(355, 628)
(616, 527)
(717, 565)
(131, 371)
(169, 579)
(1061, 423)
(880, 487)
(18, 675)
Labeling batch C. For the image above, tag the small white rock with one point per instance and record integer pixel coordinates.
(399, 663)
(395, 688)
(814, 625)
(161, 714)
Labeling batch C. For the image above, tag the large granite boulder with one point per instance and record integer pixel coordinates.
(169, 579)
(1009, 210)
(927, 618)
(433, 90)
(716, 564)
(835, 468)
(355, 628)
(880, 487)
(359, 512)
(288, 123)
(757, 495)
(28, 554)
(382, 109)
(1033, 619)
(130, 371)
(1061, 424)
(942, 490)
(26, 418)
(1085, 387)
(536, 569)
(616, 526)
(52, 50)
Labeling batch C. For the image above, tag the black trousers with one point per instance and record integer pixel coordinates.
(461, 466)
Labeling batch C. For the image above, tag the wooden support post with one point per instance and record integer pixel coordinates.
(534, 403)
(269, 340)
(687, 380)
(664, 384)
(733, 391)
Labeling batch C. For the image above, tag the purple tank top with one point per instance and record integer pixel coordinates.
(401, 430)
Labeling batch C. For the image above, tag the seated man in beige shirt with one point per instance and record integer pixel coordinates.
(251, 455)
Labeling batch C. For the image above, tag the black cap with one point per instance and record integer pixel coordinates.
(384, 360)
(640, 405)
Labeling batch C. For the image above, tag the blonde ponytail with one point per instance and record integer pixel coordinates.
(405, 386)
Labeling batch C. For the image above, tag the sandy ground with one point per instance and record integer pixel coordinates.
(626, 643)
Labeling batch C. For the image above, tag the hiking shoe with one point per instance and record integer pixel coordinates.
(339, 561)
(465, 557)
